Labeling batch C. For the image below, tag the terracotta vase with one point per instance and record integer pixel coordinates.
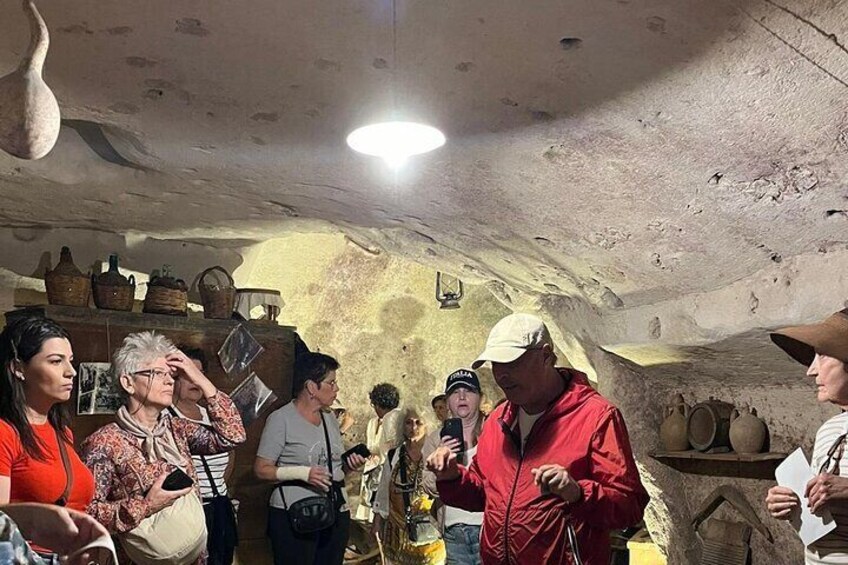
(29, 114)
(747, 432)
(674, 429)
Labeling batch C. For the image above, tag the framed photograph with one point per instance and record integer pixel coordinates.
(97, 393)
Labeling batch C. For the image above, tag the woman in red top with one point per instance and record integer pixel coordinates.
(36, 378)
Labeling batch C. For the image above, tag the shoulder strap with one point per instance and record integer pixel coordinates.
(69, 471)
(329, 450)
(402, 462)
(202, 458)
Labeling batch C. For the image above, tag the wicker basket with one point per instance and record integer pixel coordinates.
(66, 285)
(112, 290)
(166, 295)
(113, 296)
(218, 300)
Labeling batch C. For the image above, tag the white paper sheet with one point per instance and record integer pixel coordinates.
(795, 473)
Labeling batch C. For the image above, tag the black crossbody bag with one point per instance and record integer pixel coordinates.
(314, 513)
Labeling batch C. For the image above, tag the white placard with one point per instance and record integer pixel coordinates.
(795, 473)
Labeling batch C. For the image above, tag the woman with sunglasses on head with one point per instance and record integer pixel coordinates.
(823, 348)
(132, 458)
(37, 458)
(402, 516)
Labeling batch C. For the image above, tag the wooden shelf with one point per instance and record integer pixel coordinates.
(732, 464)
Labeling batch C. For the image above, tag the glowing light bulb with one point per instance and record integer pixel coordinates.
(395, 142)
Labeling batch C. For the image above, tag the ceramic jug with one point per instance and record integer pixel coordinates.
(674, 430)
(747, 431)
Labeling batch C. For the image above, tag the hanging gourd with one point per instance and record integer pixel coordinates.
(29, 114)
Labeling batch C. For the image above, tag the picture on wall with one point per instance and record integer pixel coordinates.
(98, 393)
(251, 396)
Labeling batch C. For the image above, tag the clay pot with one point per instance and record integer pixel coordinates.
(709, 426)
(674, 429)
(29, 114)
(747, 431)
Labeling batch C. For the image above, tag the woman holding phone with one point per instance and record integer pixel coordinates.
(142, 462)
(460, 528)
(301, 451)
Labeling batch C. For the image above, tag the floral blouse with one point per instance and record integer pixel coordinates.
(122, 474)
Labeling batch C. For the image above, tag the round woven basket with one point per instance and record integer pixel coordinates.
(66, 285)
(164, 300)
(114, 297)
(218, 300)
(68, 290)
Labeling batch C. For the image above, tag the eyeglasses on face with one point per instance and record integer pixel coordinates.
(154, 374)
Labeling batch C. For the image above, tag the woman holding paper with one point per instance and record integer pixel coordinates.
(823, 348)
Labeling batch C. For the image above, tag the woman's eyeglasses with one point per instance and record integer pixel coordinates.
(154, 374)
(834, 456)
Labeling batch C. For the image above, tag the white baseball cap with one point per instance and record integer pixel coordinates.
(511, 337)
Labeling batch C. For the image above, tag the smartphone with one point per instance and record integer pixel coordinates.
(359, 449)
(177, 480)
(453, 428)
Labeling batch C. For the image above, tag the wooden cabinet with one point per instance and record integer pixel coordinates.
(95, 334)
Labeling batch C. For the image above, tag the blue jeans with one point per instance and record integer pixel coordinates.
(462, 544)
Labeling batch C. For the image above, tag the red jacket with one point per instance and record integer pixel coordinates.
(582, 432)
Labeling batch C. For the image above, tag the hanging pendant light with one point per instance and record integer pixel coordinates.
(395, 142)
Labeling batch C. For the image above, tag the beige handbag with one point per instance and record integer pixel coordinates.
(175, 535)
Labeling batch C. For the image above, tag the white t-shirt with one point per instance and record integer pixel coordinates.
(217, 463)
(832, 549)
(525, 424)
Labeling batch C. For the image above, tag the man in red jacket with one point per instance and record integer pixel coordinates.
(554, 472)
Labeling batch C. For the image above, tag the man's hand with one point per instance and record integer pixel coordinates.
(442, 463)
(554, 479)
(824, 488)
(781, 501)
(60, 529)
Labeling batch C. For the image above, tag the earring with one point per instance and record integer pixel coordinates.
(20, 376)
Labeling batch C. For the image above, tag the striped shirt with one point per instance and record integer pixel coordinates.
(217, 463)
(832, 548)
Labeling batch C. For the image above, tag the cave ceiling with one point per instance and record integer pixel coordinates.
(628, 151)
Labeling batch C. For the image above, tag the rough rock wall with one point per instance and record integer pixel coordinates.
(376, 314)
(712, 344)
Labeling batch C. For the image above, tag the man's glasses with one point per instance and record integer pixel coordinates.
(834, 456)
(154, 374)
